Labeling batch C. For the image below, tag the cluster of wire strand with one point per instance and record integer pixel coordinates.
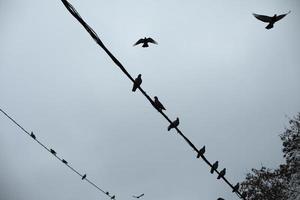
(199, 152)
(54, 153)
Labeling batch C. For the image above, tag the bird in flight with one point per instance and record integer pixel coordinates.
(158, 105)
(174, 124)
(137, 82)
(138, 196)
(214, 167)
(145, 42)
(270, 20)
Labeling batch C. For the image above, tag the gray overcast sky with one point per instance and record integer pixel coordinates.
(229, 80)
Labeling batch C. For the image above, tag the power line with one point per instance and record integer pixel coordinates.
(93, 34)
(33, 136)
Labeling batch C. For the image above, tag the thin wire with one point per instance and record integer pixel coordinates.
(49, 150)
(96, 38)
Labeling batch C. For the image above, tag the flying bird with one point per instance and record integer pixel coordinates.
(236, 187)
(174, 124)
(32, 135)
(138, 196)
(270, 20)
(222, 173)
(137, 82)
(201, 152)
(214, 167)
(64, 161)
(158, 105)
(145, 42)
(53, 152)
(83, 177)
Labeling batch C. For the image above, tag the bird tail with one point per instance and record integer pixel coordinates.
(134, 89)
(145, 45)
(219, 177)
(212, 170)
(270, 25)
(169, 127)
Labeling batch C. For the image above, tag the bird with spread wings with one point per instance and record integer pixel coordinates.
(270, 20)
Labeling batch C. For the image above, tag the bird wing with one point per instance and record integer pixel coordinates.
(263, 18)
(139, 42)
(279, 17)
(151, 40)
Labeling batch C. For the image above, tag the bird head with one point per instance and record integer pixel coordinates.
(140, 75)
(155, 97)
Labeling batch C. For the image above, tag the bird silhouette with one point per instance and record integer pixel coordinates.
(220, 198)
(64, 161)
(222, 173)
(174, 124)
(214, 167)
(236, 187)
(32, 135)
(145, 42)
(53, 152)
(201, 152)
(113, 197)
(158, 105)
(138, 196)
(137, 82)
(83, 177)
(270, 20)
(107, 193)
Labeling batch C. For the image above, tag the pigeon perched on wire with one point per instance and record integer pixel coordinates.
(138, 196)
(214, 167)
(222, 173)
(83, 177)
(201, 152)
(32, 135)
(64, 161)
(158, 105)
(236, 187)
(145, 42)
(270, 20)
(53, 152)
(137, 82)
(174, 124)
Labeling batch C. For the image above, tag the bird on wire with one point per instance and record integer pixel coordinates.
(32, 135)
(201, 152)
(145, 42)
(174, 124)
(236, 187)
(139, 196)
(113, 197)
(137, 82)
(214, 167)
(53, 152)
(270, 20)
(158, 105)
(64, 161)
(83, 177)
(222, 173)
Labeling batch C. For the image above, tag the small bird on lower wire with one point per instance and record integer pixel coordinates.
(137, 82)
(158, 105)
(32, 135)
(201, 152)
(236, 187)
(214, 167)
(64, 161)
(113, 197)
(174, 124)
(138, 196)
(53, 152)
(145, 42)
(83, 177)
(222, 173)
